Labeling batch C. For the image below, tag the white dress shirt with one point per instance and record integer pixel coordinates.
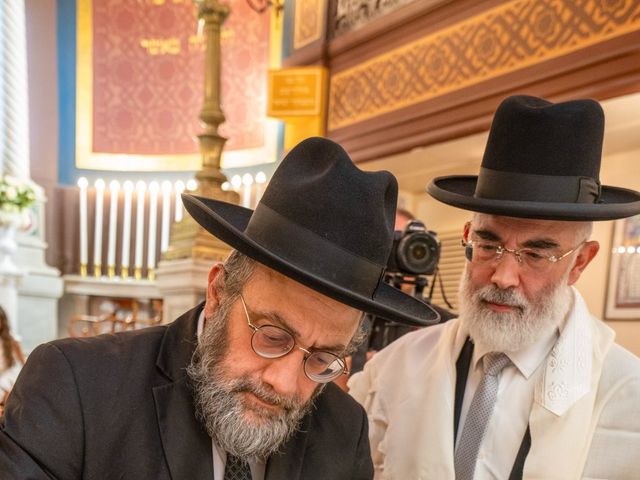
(508, 423)
(219, 455)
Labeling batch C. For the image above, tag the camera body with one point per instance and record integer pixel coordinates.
(414, 255)
(415, 251)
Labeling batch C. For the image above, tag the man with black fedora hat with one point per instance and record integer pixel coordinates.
(240, 386)
(526, 383)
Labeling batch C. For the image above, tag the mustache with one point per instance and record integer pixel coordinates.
(510, 297)
(265, 393)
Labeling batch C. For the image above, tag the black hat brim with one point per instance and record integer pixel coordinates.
(228, 223)
(458, 191)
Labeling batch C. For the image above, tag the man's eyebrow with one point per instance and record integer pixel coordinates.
(279, 321)
(487, 235)
(543, 243)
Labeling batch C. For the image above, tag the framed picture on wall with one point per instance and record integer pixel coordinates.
(623, 296)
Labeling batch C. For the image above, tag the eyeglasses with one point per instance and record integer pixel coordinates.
(270, 341)
(484, 252)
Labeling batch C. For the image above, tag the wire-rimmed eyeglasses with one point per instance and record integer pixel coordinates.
(479, 251)
(271, 341)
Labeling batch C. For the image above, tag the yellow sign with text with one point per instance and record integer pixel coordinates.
(297, 92)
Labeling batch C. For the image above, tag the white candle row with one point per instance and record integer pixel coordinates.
(154, 189)
(630, 249)
(249, 187)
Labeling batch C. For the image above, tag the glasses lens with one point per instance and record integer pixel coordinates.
(270, 341)
(323, 367)
(481, 251)
(534, 259)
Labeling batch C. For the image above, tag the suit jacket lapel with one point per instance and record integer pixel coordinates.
(187, 446)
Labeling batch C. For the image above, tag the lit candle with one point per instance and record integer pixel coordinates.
(192, 185)
(261, 180)
(153, 209)
(84, 256)
(141, 187)
(236, 182)
(166, 212)
(114, 187)
(179, 188)
(97, 239)
(126, 227)
(247, 182)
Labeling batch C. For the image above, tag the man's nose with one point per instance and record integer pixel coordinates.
(284, 374)
(507, 271)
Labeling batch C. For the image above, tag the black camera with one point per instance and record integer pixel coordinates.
(415, 251)
(415, 254)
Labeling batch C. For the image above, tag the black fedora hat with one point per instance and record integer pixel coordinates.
(542, 161)
(324, 223)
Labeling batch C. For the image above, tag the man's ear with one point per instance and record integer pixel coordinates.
(213, 299)
(586, 254)
(466, 231)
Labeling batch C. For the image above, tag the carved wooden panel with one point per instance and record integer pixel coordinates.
(309, 22)
(502, 40)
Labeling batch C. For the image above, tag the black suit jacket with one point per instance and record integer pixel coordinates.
(119, 407)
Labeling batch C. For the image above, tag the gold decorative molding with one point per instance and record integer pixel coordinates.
(309, 21)
(510, 37)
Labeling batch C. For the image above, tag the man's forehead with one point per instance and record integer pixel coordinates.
(286, 286)
(483, 220)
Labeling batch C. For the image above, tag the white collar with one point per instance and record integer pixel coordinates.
(527, 359)
(200, 326)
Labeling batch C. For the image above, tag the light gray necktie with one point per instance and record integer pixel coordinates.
(478, 416)
(236, 469)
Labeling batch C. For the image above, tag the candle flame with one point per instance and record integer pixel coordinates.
(247, 179)
(192, 184)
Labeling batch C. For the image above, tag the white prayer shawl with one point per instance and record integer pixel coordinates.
(585, 420)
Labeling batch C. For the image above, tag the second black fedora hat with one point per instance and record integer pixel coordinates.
(542, 160)
(324, 223)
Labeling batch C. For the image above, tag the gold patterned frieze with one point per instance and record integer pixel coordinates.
(309, 21)
(507, 38)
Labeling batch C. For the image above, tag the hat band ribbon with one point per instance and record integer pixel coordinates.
(528, 187)
(312, 253)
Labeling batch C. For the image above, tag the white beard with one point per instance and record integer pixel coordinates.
(530, 320)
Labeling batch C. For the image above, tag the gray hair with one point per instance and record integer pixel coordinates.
(583, 231)
(238, 270)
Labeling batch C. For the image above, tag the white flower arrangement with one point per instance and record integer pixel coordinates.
(16, 197)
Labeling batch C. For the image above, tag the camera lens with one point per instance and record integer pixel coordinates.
(418, 253)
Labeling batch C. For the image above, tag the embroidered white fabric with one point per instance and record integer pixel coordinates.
(567, 374)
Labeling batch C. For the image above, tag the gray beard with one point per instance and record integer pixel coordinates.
(241, 429)
(531, 320)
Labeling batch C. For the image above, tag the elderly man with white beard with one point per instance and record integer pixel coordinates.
(526, 383)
